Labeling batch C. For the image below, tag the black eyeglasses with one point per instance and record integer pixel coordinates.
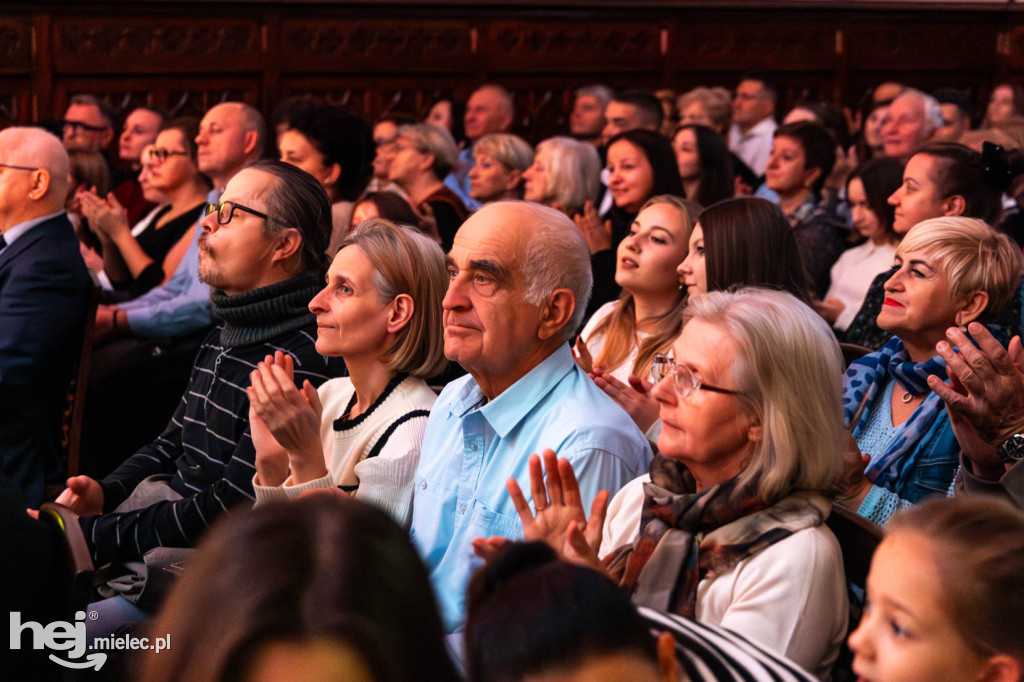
(158, 154)
(225, 211)
(25, 168)
(79, 125)
(686, 382)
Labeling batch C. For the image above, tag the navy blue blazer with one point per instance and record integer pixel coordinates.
(44, 294)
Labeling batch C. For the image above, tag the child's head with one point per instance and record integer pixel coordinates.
(946, 596)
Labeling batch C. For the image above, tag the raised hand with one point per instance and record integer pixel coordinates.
(291, 415)
(271, 458)
(635, 398)
(560, 519)
(854, 486)
(597, 233)
(582, 355)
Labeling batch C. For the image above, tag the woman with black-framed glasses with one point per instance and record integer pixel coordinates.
(728, 527)
(140, 257)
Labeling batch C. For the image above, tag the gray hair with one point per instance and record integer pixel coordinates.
(573, 172)
(556, 257)
(602, 93)
(931, 106)
(435, 141)
(511, 151)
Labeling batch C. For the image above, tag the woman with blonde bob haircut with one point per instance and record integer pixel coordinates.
(565, 174)
(728, 527)
(949, 272)
(381, 312)
(501, 159)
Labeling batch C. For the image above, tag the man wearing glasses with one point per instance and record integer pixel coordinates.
(262, 251)
(44, 290)
(88, 124)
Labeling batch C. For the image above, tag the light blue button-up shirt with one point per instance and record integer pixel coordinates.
(179, 307)
(471, 447)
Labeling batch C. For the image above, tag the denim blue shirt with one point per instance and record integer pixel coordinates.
(471, 447)
(180, 307)
(458, 179)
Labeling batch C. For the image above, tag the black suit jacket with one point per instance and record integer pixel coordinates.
(44, 293)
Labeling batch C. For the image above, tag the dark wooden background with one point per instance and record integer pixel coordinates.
(377, 56)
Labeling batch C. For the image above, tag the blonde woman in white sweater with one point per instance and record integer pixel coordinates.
(381, 312)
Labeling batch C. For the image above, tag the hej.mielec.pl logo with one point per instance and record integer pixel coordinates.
(71, 638)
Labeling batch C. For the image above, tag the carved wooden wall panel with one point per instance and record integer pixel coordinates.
(759, 42)
(15, 46)
(914, 45)
(594, 46)
(180, 45)
(375, 45)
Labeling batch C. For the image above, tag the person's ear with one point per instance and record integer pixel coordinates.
(251, 138)
(755, 432)
(972, 308)
(40, 184)
(427, 162)
(1001, 668)
(515, 176)
(108, 137)
(811, 176)
(668, 664)
(555, 313)
(954, 205)
(333, 173)
(400, 312)
(289, 243)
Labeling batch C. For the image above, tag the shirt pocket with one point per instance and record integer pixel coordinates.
(486, 522)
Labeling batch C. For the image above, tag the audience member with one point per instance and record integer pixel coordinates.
(389, 206)
(490, 109)
(587, 121)
(956, 110)
(336, 147)
(385, 133)
(88, 124)
(1005, 104)
(914, 117)
(139, 131)
(705, 164)
(87, 171)
(620, 340)
(670, 115)
(44, 291)
(946, 590)
(950, 271)
(631, 110)
(134, 265)
(501, 160)
(867, 189)
(448, 113)
(519, 279)
(801, 159)
(325, 588)
(869, 145)
(565, 174)
(381, 313)
(753, 120)
(711, 107)
(422, 158)
(943, 179)
(749, 452)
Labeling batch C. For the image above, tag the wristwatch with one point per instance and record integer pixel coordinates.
(1012, 449)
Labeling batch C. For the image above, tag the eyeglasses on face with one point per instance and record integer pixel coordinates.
(78, 126)
(24, 168)
(225, 211)
(160, 155)
(686, 382)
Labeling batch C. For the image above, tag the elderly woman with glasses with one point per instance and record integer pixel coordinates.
(140, 257)
(728, 527)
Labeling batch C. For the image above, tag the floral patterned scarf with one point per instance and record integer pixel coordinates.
(686, 536)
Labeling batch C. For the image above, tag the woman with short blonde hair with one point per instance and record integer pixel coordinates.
(500, 160)
(381, 312)
(565, 174)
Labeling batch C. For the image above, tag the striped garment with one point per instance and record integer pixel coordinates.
(709, 652)
(206, 450)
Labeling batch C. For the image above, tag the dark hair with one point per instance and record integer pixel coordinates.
(957, 97)
(159, 111)
(647, 104)
(658, 151)
(767, 82)
(717, 180)
(105, 110)
(959, 171)
(323, 566)
(528, 613)
(392, 206)
(828, 116)
(298, 200)
(287, 110)
(748, 241)
(880, 177)
(188, 126)
(343, 138)
(818, 144)
(458, 130)
(979, 556)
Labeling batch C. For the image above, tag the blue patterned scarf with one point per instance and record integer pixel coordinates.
(869, 375)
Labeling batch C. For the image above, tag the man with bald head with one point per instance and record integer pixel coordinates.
(490, 109)
(44, 291)
(519, 282)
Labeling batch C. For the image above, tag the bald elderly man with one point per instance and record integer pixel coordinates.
(44, 291)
